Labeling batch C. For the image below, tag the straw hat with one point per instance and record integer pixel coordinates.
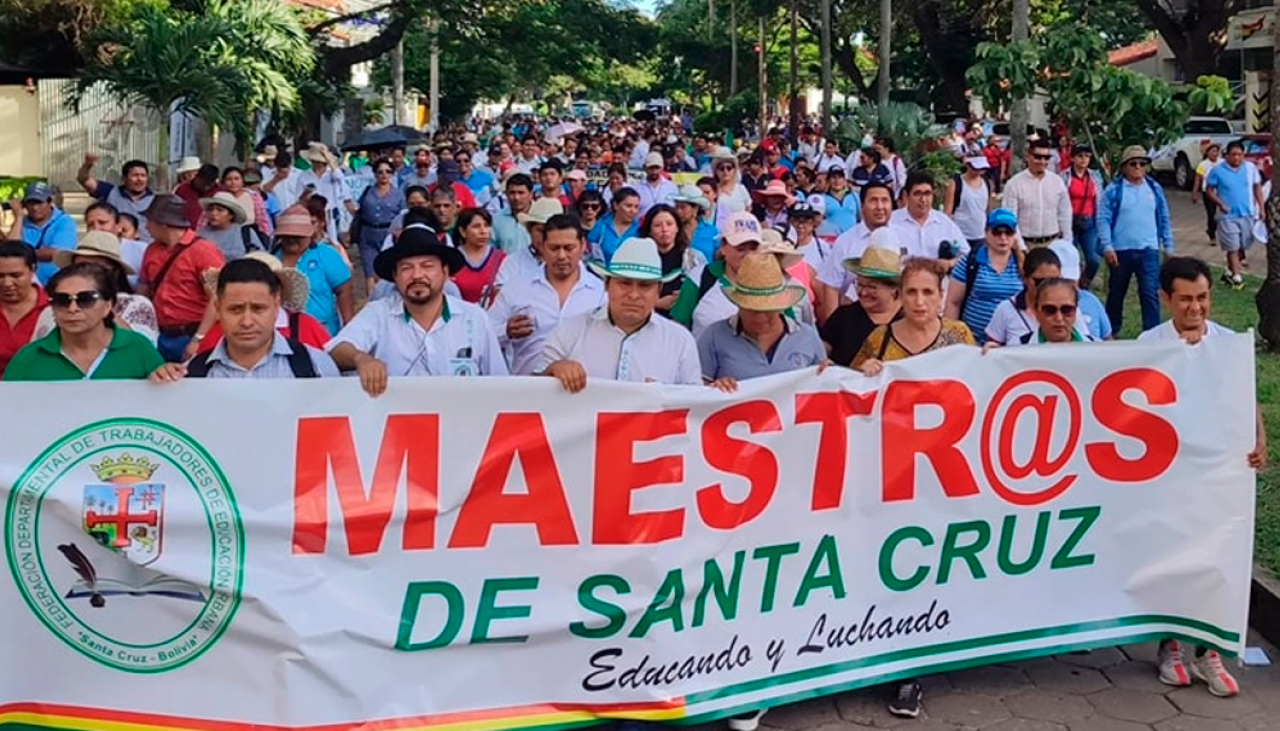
(772, 242)
(295, 221)
(637, 259)
(1135, 152)
(295, 288)
(761, 286)
(876, 262)
(95, 243)
(541, 211)
(318, 152)
(223, 199)
(188, 164)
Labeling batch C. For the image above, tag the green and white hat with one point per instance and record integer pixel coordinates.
(636, 258)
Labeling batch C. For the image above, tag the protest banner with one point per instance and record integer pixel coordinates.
(495, 553)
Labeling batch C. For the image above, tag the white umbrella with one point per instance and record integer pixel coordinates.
(564, 129)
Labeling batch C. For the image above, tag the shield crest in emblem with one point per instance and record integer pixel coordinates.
(126, 511)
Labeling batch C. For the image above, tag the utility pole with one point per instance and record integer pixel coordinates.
(434, 121)
(764, 94)
(886, 48)
(793, 116)
(1019, 114)
(826, 68)
(733, 48)
(397, 82)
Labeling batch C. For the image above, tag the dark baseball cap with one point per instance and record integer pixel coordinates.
(40, 192)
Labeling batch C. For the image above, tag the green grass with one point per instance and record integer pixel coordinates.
(1236, 310)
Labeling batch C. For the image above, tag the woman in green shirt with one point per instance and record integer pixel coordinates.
(86, 344)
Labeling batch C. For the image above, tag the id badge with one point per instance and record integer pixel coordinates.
(463, 367)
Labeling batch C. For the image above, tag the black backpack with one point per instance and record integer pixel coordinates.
(299, 360)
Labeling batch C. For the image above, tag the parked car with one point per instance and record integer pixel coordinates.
(1257, 150)
(1183, 155)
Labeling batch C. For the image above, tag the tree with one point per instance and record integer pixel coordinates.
(1193, 29)
(45, 37)
(222, 64)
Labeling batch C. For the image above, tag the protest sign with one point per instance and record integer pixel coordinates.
(495, 553)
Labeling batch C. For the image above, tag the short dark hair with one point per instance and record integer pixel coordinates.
(132, 219)
(467, 215)
(519, 180)
(103, 281)
(419, 189)
(1038, 257)
(231, 169)
(1235, 145)
(283, 159)
(208, 172)
(18, 250)
(1183, 267)
(862, 195)
(918, 177)
(624, 193)
(103, 206)
(564, 222)
(1039, 144)
(422, 215)
(552, 164)
(130, 165)
(247, 271)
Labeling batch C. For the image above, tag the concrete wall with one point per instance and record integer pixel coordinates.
(19, 132)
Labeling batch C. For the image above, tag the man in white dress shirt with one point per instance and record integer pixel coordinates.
(624, 340)
(530, 307)
(423, 331)
(924, 229)
(835, 281)
(1039, 199)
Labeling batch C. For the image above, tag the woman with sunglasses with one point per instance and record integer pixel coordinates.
(379, 205)
(1057, 303)
(132, 311)
(85, 344)
(589, 207)
(1016, 316)
(731, 195)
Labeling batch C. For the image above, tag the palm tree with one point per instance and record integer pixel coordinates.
(221, 65)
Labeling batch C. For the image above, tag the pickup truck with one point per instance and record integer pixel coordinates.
(1183, 155)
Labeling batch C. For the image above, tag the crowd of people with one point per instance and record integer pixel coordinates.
(521, 259)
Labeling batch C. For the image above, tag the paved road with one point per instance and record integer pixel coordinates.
(1106, 690)
(1189, 234)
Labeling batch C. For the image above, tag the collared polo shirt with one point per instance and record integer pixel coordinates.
(57, 232)
(181, 299)
(661, 351)
(604, 239)
(459, 343)
(1166, 331)
(17, 336)
(727, 352)
(652, 195)
(535, 292)
(274, 365)
(924, 240)
(128, 356)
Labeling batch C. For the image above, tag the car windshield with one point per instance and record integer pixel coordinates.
(1257, 147)
(1207, 127)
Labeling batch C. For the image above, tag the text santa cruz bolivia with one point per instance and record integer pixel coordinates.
(1120, 408)
(201, 475)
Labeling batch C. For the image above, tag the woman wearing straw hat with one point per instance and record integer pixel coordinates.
(761, 339)
(332, 297)
(878, 272)
(225, 225)
(292, 321)
(132, 311)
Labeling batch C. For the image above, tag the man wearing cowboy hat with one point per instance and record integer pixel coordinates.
(325, 179)
(225, 226)
(424, 331)
(1133, 228)
(249, 296)
(761, 339)
(172, 276)
(624, 340)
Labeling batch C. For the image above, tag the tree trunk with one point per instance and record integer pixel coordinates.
(733, 48)
(886, 48)
(1020, 112)
(1194, 36)
(947, 55)
(793, 115)
(1268, 297)
(826, 67)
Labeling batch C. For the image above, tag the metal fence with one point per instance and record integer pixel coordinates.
(102, 127)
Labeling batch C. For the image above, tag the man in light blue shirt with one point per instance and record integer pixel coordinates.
(39, 223)
(1133, 226)
(1235, 187)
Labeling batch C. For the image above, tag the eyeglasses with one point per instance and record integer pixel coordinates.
(1002, 231)
(1053, 310)
(1137, 163)
(1042, 157)
(725, 167)
(384, 171)
(590, 206)
(84, 300)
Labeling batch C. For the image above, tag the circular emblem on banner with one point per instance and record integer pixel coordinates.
(125, 540)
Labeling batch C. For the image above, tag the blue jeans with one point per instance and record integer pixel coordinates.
(1145, 264)
(1084, 229)
(172, 346)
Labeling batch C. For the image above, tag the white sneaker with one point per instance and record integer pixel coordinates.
(747, 721)
(1173, 671)
(1208, 669)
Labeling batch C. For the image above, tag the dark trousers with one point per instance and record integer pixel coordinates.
(1210, 218)
(1145, 265)
(1084, 229)
(171, 346)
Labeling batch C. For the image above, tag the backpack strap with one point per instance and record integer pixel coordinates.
(958, 180)
(300, 358)
(971, 266)
(198, 367)
(884, 342)
(706, 282)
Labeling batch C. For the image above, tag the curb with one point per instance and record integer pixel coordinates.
(1264, 605)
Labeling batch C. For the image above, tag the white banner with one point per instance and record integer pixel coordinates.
(494, 553)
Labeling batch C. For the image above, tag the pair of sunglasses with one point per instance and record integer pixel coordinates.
(1052, 310)
(83, 300)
